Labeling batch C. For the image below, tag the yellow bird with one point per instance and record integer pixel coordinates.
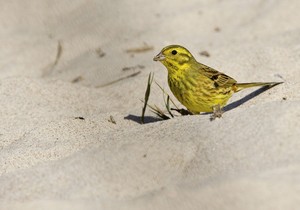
(198, 87)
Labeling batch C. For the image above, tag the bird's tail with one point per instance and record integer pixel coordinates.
(242, 86)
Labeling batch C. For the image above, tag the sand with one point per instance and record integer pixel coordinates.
(71, 79)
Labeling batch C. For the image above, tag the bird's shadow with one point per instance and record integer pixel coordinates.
(147, 119)
(233, 105)
(246, 98)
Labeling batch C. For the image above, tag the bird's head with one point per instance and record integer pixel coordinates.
(175, 57)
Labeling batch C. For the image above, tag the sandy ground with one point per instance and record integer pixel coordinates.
(66, 68)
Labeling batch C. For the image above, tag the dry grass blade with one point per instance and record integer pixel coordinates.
(167, 103)
(118, 80)
(182, 111)
(141, 49)
(59, 53)
(156, 110)
(165, 93)
(147, 94)
(168, 106)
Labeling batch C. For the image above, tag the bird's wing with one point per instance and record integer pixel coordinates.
(220, 79)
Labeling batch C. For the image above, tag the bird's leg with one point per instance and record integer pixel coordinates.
(217, 112)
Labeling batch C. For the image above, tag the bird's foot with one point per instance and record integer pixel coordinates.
(217, 113)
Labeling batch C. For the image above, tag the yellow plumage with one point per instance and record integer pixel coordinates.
(198, 87)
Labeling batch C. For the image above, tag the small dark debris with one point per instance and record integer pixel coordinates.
(279, 76)
(145, 155)
(77, 79)
(50, 36)
(111, 119)
(141, 49)
(284, 98)
(80, 118)
(217, 29)
(133, 67)
(100, 53)
(205, 53)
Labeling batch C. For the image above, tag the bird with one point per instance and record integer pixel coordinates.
(198, 87)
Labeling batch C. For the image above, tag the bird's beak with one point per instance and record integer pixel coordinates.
(159, 57)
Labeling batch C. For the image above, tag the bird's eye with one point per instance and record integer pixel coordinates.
(174, 52)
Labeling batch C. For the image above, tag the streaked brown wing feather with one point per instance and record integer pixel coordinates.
(220, 79)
